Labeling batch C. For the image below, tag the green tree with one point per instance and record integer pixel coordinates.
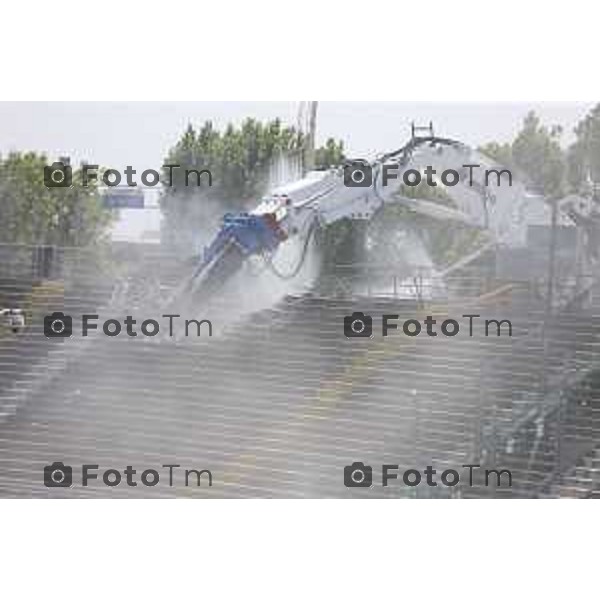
(238, 159)
(330, 155)
(535, 154)
(536, 151)
(501, 153)
(584, 154)
(35, 214)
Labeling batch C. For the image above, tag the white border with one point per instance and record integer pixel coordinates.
(467, 50)
(299, 549)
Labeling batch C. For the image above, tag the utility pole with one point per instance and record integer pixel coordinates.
(309, 146)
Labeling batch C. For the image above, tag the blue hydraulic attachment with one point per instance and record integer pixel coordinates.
(240, 236)
(250, 233)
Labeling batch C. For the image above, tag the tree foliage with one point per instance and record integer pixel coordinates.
(535, 154)
(238, 158)
(501, 153)
(330, 155)
(35, 214)
(536, 151)
(584, 154)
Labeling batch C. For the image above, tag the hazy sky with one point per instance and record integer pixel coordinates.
(118, 134)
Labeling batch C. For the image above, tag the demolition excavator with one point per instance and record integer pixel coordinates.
(358, 190)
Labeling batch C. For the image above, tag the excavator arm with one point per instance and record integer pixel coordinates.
(483, 196)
